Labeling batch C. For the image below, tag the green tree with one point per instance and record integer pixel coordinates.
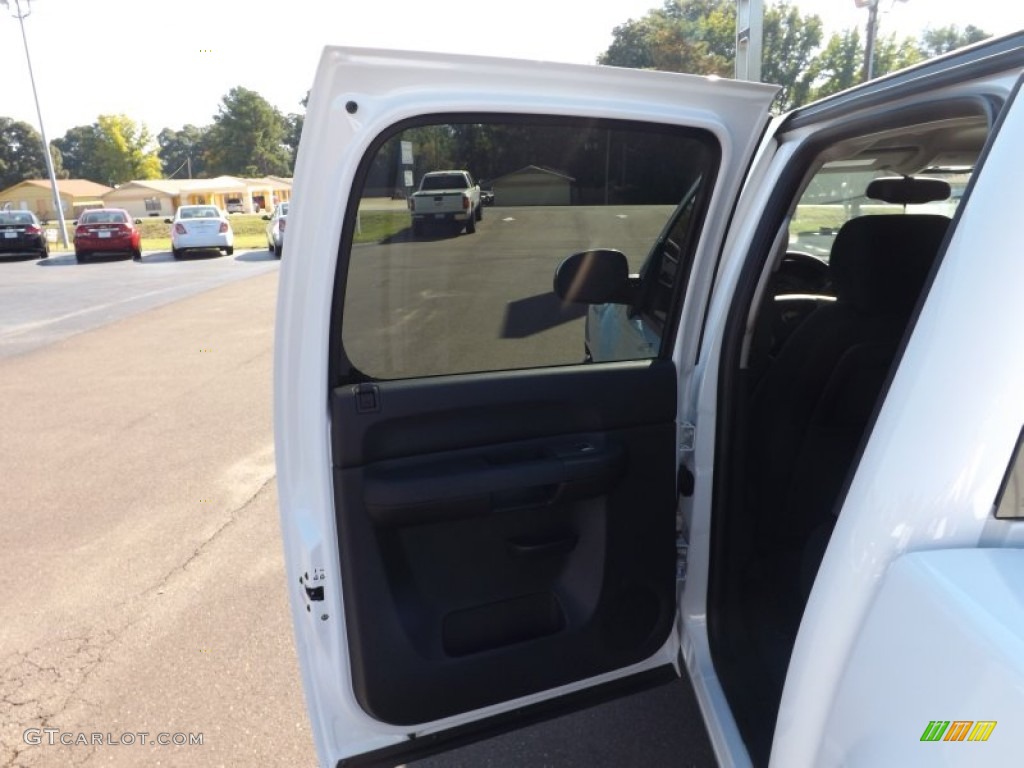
(123, 151)
(113, 150)
(294, 135)
(247, 137)
(183, 152)
(699, 36)
(696, 36)
(21, 154)
(892, 54)
(935, 42)
(839, 66)
(791, 41)
(77, 147)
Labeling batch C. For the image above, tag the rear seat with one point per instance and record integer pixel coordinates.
(810, 410)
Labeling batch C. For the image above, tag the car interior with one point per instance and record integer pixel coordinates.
(808, 358)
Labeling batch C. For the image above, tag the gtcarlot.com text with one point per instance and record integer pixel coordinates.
(55, 736)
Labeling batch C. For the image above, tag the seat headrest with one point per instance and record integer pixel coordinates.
(879, 263)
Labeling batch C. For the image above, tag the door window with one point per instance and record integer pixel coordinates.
(444, 281)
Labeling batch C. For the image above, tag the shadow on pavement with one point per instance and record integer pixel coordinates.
(197, 255)
(13, 257)
(525, 317)
(428, 235)
(256, 256)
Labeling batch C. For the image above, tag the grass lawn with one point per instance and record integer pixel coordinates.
(250, 230)
(814, 218)
(376, 226)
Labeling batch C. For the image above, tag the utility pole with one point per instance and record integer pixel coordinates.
(869, 39)
(21, 14)
(872, 34)
(749, 39)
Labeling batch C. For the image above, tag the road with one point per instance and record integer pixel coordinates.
(43, 301)
(142, 586)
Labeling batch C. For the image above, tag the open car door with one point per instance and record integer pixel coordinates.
(479, 524)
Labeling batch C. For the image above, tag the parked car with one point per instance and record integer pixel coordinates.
(22, 234)
(200, 227)
(107, 232)
(234, 205)
(793, 469)
(275, 228)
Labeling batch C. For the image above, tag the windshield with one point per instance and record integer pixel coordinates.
(103, 217)
(206, 212)
(834, 197)
(15, 218)
(444, 181)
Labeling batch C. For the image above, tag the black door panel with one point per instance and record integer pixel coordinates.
(417, 417)
(476, 481)
(510, 532)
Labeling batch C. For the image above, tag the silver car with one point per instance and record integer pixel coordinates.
(275, 228)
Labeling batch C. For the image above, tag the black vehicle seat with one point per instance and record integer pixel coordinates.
(809, 411)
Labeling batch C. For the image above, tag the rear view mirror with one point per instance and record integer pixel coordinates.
(907, 190)
(595, 277)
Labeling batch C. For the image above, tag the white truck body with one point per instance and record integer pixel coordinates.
(907, 613)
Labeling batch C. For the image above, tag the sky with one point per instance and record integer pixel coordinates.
(168, 64)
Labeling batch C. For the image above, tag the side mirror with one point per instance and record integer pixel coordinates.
(138, 221)
(168, 221)
(265, 217)
(595, 277)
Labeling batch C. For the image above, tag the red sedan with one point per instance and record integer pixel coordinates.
(105, 231)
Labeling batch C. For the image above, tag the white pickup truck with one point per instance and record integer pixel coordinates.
(446, 197)
(791, 466)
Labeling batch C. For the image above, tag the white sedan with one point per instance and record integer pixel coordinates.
(200, 227)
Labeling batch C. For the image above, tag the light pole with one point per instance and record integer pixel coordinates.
(20, 14)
